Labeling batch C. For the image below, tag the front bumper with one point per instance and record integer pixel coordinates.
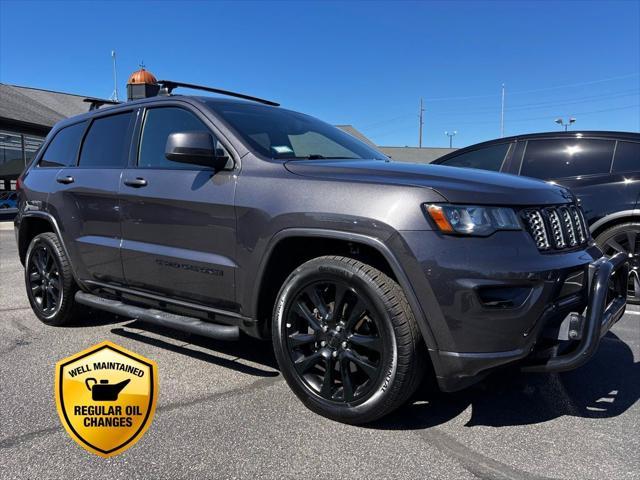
(458, 282)
(606, 304)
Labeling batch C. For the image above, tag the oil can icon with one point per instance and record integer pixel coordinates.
(105, 391)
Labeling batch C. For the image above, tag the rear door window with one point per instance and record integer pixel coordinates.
(627, 157)
(107, 142)
(561, 158)
(486, 158)
(63, 149)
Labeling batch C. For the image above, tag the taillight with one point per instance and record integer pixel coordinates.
(19, 183)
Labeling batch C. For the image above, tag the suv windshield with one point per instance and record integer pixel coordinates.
(282, 134)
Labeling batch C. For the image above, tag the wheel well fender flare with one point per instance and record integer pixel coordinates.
(54, 228)
(614, 218)
(370, 241)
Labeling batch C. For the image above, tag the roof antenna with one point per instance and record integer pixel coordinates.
(114, 95)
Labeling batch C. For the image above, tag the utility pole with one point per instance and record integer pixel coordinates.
(421, 124)
(451, 135)
(502, 114)
(114, 95)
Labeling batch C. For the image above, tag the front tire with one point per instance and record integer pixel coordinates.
(346, 340)
(49, 281)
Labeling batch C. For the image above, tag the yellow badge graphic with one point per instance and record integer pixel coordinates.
(106, 397)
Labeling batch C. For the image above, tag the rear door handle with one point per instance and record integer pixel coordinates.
(66, 180)
(136, 182)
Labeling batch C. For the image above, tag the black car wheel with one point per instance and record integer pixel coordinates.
(49, 282)
(346, 340)
(625, 238)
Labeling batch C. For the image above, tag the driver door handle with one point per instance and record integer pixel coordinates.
(65, 180)
(136, 182)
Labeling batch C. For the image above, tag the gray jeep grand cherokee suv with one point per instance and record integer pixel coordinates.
(216, 216)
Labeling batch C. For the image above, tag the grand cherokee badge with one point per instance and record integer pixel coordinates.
(106, 397)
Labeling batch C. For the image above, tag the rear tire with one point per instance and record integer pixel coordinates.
(346, 340)
(625, 238)
(49, 281)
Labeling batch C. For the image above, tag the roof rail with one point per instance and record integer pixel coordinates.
(96, 103)
(169, 85)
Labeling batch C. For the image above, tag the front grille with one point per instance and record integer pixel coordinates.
(556, 228)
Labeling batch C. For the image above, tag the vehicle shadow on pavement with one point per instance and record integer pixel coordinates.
(95, 318)
(247, 349)
(605, 387)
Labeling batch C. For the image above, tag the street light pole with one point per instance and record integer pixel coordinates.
(560, 122)
(451, 135)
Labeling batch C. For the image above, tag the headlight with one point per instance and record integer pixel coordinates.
(472, 220)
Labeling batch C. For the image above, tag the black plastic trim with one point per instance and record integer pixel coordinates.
(601, 314)
(158, 317)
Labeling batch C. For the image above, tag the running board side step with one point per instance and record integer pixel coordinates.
(158, 317)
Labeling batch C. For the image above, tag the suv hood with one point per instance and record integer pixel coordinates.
(456, 185)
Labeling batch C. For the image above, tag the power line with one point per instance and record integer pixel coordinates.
(421, 124)
(501, 114)
(546, 117)
(579, 84)
(538, 105)
(593, 98)
(517, 107)
(556, 87)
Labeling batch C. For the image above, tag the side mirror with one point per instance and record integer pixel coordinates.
(195, 148)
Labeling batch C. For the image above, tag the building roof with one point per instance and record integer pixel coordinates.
(415, 154)
(401, 154)
(351, 130)
(39, 107)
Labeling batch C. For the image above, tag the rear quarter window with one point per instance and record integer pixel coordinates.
(487, 158)
(627, 158)
(62, 151)
(561, 158)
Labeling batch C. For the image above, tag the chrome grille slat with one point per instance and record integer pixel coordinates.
(568, 226)
(575, 213)
(556, 228)
(537, 229)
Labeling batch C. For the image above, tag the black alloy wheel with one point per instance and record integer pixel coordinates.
(346, 340)
(333, 340)
(625, 239)
(43, 280)
(49, 281)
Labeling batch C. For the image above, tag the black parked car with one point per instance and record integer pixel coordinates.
(217, 216)
(601, 168)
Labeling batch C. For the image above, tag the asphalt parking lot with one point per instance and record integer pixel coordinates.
(225, 411)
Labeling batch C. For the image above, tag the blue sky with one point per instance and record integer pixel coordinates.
(363, 63)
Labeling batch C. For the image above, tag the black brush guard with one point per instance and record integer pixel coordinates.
(607, 288)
